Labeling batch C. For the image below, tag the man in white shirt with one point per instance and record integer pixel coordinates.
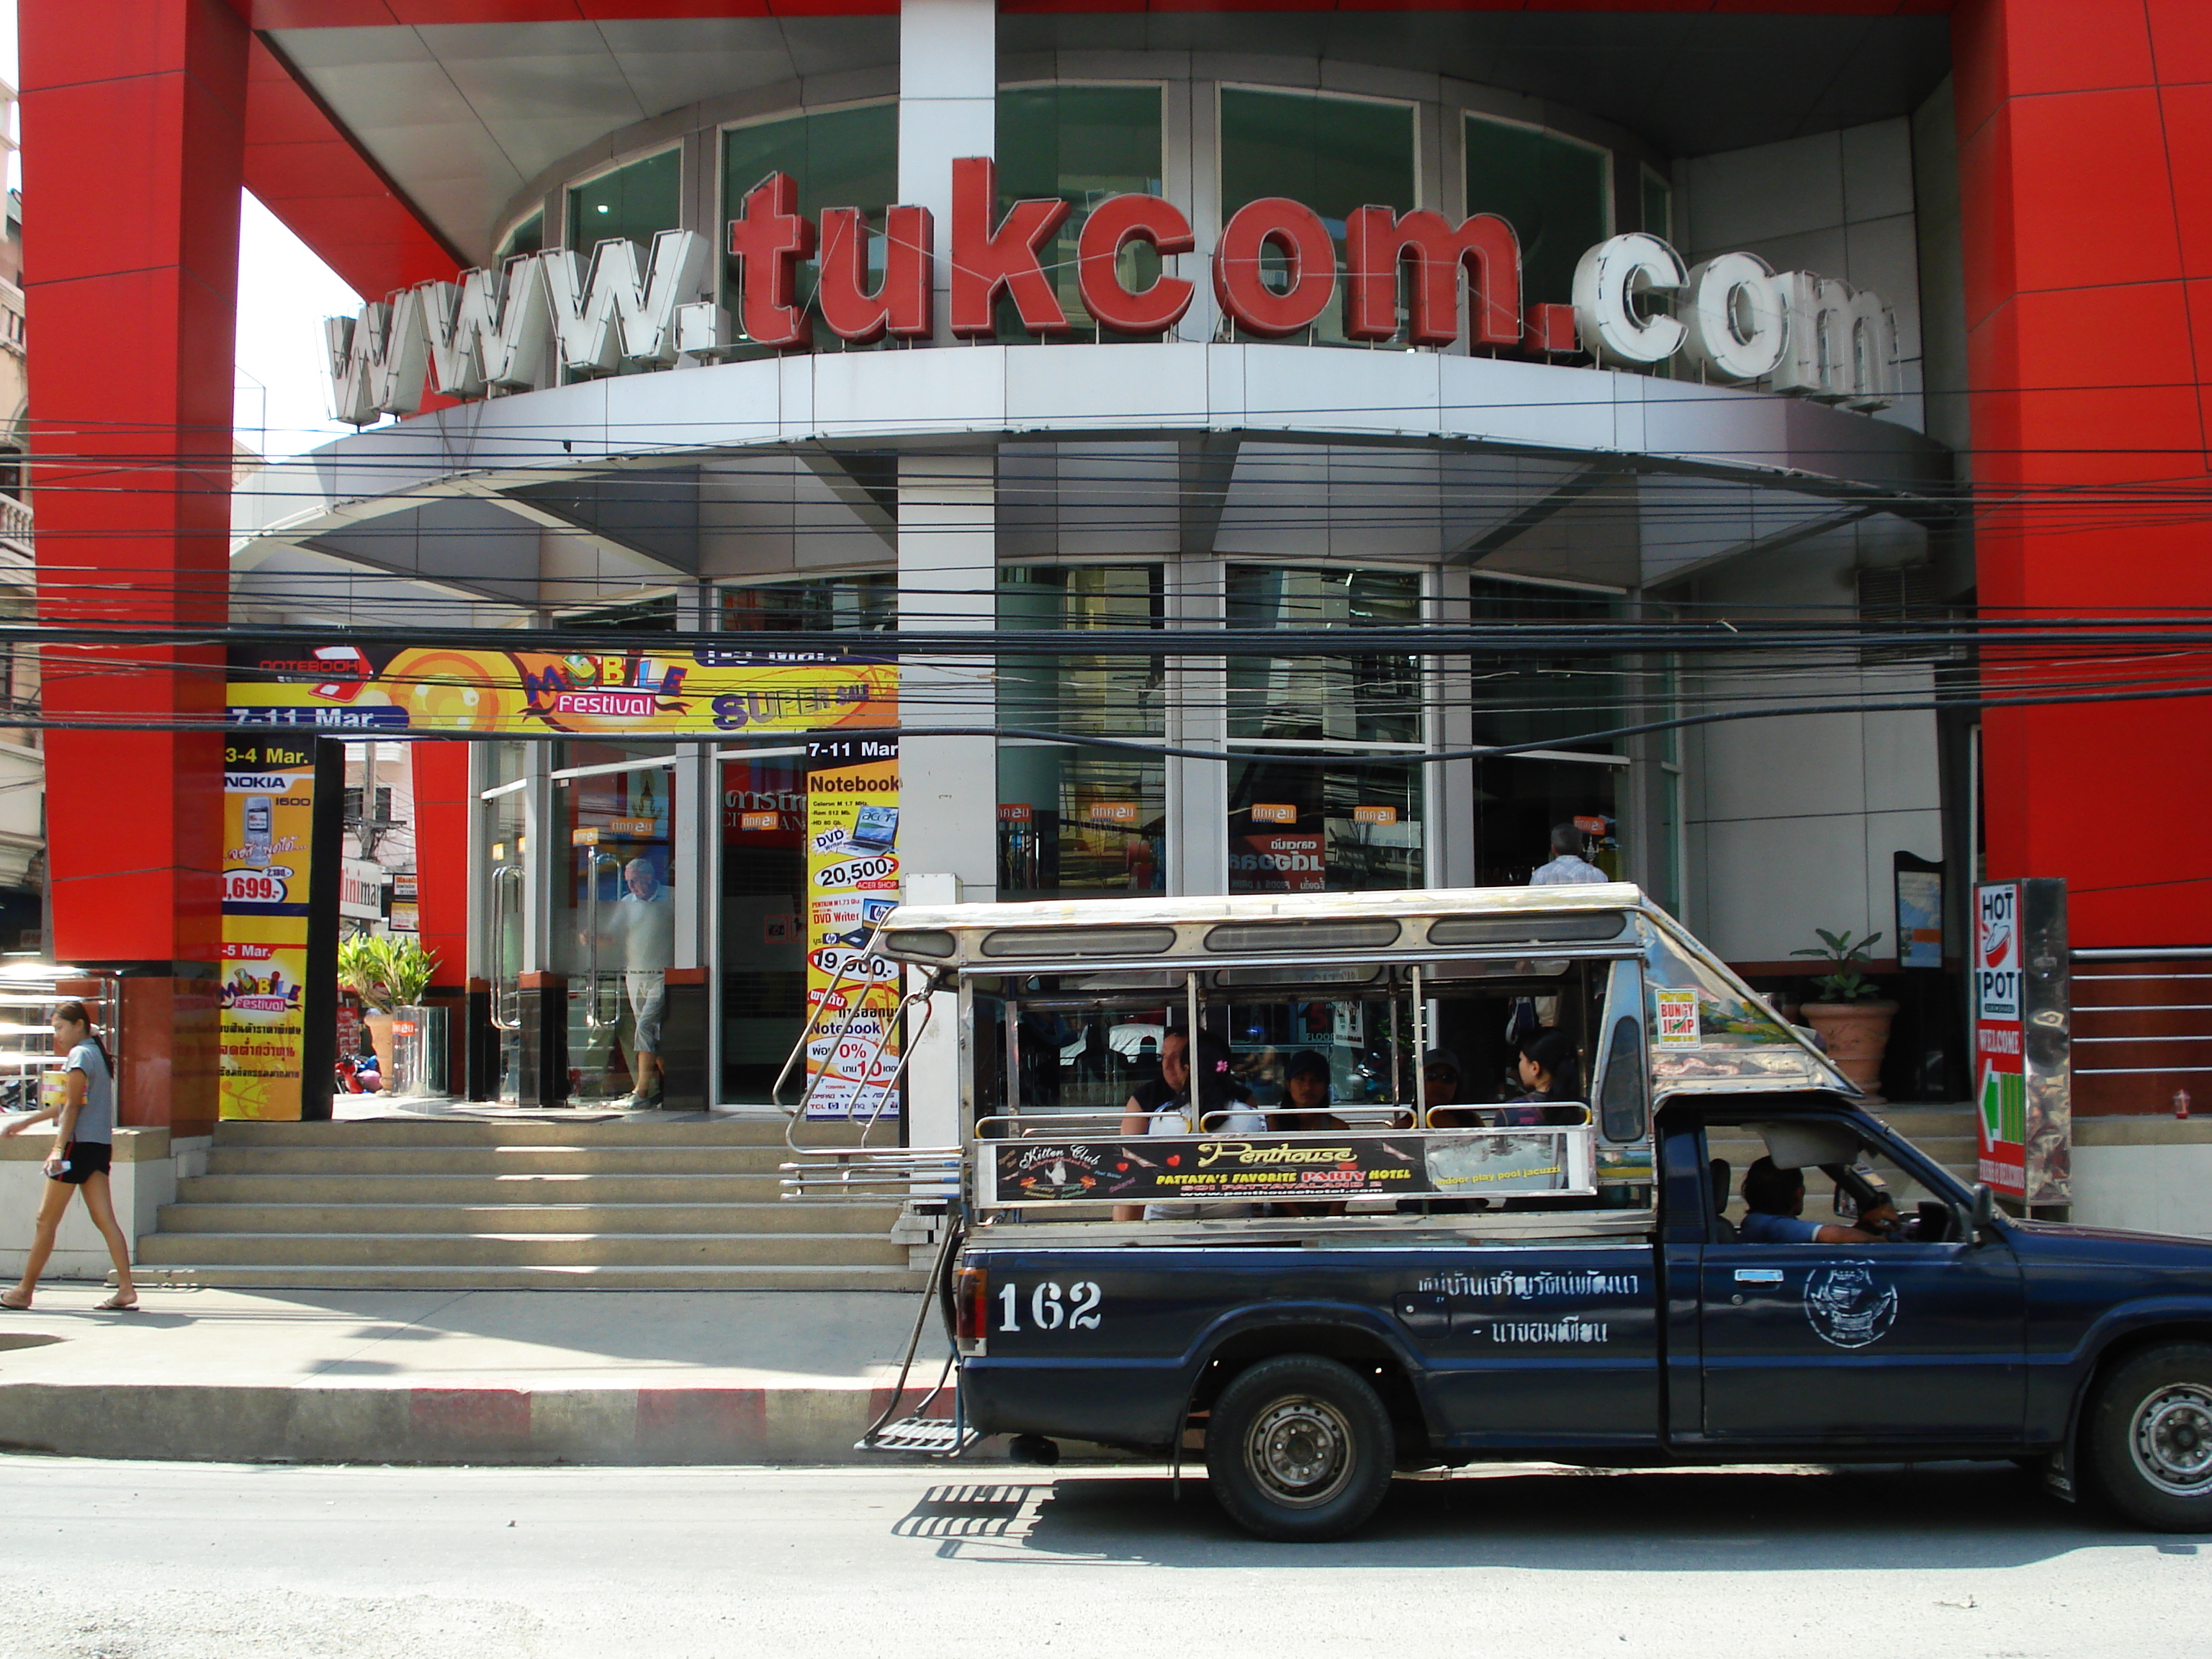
(646, 928)
(1568, 868)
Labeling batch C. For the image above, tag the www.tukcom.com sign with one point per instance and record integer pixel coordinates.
(1275, 271)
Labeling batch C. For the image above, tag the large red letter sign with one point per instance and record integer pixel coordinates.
(1303, 241)
(1113, 224)
(984, 261)
(900, 306)
(769, 243)
(1484, 246)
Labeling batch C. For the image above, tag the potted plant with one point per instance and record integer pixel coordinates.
(1849, 1010)
(387, 975)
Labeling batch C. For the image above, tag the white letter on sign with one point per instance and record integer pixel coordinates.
(1735, 326)
(1608, 283)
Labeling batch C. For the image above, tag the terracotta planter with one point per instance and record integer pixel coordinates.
(1856, 1035)
(380, 1038)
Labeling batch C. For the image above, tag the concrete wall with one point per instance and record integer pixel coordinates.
(1791, 822)
(1838, 203)
(143, 1178)
(2152, 1174)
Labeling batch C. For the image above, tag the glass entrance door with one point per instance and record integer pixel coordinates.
(614, 917)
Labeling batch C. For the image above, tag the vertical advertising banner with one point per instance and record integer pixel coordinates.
(2023, 1061)
(268, 804)
(2000, 1054)
(852, 883)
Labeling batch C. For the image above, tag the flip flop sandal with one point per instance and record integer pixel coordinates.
(112, 1306)
(6, 1306)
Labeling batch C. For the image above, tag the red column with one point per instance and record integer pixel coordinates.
(441, 854)
(133, 115)
(2086, 174)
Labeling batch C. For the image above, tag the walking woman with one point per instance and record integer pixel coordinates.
(83, 1144)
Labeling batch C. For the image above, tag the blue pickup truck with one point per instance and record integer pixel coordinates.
(1428, 1267)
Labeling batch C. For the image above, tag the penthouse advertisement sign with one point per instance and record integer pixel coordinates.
(1250, 1169)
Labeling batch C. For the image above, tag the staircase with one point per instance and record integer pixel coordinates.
(466, 1203)
(1946, 1133)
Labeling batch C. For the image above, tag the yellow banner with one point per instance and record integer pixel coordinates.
(641, 693)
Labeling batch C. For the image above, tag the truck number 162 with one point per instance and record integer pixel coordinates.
(1047, 1312)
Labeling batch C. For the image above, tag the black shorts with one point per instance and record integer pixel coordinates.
(85, 1158)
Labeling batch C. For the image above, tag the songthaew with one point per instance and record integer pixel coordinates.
(1346, 1184)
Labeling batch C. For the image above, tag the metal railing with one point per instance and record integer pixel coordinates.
(2168, 1043)
(29, 993)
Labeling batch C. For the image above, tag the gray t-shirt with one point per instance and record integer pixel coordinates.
(96, 1119)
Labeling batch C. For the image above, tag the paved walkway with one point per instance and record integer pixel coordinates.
(482, 1376)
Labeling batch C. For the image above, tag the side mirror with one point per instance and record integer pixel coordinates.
(1984, 1212)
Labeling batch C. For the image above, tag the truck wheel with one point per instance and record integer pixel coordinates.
(1299, 1448)
(2149, 1438)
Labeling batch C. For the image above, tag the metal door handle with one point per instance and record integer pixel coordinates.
(1758, 1275)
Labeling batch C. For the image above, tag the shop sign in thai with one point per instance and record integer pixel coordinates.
(851, 882)
(2022, 1025)
(644, 693)
(1276, 271)
(268, 840)
(1183, 1169)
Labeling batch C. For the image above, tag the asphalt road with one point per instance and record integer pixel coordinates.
(130, 1560)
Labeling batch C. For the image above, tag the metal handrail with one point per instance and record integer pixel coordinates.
(591, 977)
(508, 875)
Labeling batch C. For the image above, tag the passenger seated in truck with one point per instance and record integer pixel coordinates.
(1548, 1069)
(1305, 1096)
(1165, 1109)
(1774, 1197)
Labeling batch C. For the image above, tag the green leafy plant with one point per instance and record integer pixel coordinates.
(387, 973)
(1841, 953)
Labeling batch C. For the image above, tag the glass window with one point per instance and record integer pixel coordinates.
(656, 614)
(1520, 799)
(865, 604)
(1082, 144)
(1555, 191)
(1538, 700)
(1333, 154)
(838, 158)
(638, 201)
(1658, 205)
(1365, 699)
(528, 237)
(1078, 822)
(1295, 827)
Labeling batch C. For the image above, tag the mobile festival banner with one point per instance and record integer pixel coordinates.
(851, 882)
(2023, 1073)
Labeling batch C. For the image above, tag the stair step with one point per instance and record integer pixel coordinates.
(526, 1250)
(614, 1220)
(497, 1160)
(581, 1130)
(353, 1188)
(331, 1277)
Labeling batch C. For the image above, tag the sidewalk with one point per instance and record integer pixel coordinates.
(482, 1376)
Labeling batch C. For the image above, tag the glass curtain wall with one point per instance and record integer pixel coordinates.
(1082, 144)
(502, 856)
(1555, 191)
(527, 237)
(638, 201)
(1555, 702)
(1081, 823)
(1333, 154)
(838, 158)
(1295, 827)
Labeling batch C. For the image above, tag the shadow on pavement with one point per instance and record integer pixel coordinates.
(1875, 1519)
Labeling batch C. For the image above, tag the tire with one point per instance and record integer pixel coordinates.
(2147, 1440)
(1299, 1448)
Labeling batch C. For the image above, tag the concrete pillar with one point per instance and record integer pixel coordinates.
(1198, 691)
(1448, 804)
(948, 571)
(948, 108)
(134, 127)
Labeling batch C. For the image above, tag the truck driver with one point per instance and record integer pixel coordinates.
(1774, 1198)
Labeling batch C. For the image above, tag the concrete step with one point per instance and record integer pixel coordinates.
(497, 1160)
(351, 1188)
(612, 1219)
(582, 1129)
(335, 1277)
(375, 1250)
